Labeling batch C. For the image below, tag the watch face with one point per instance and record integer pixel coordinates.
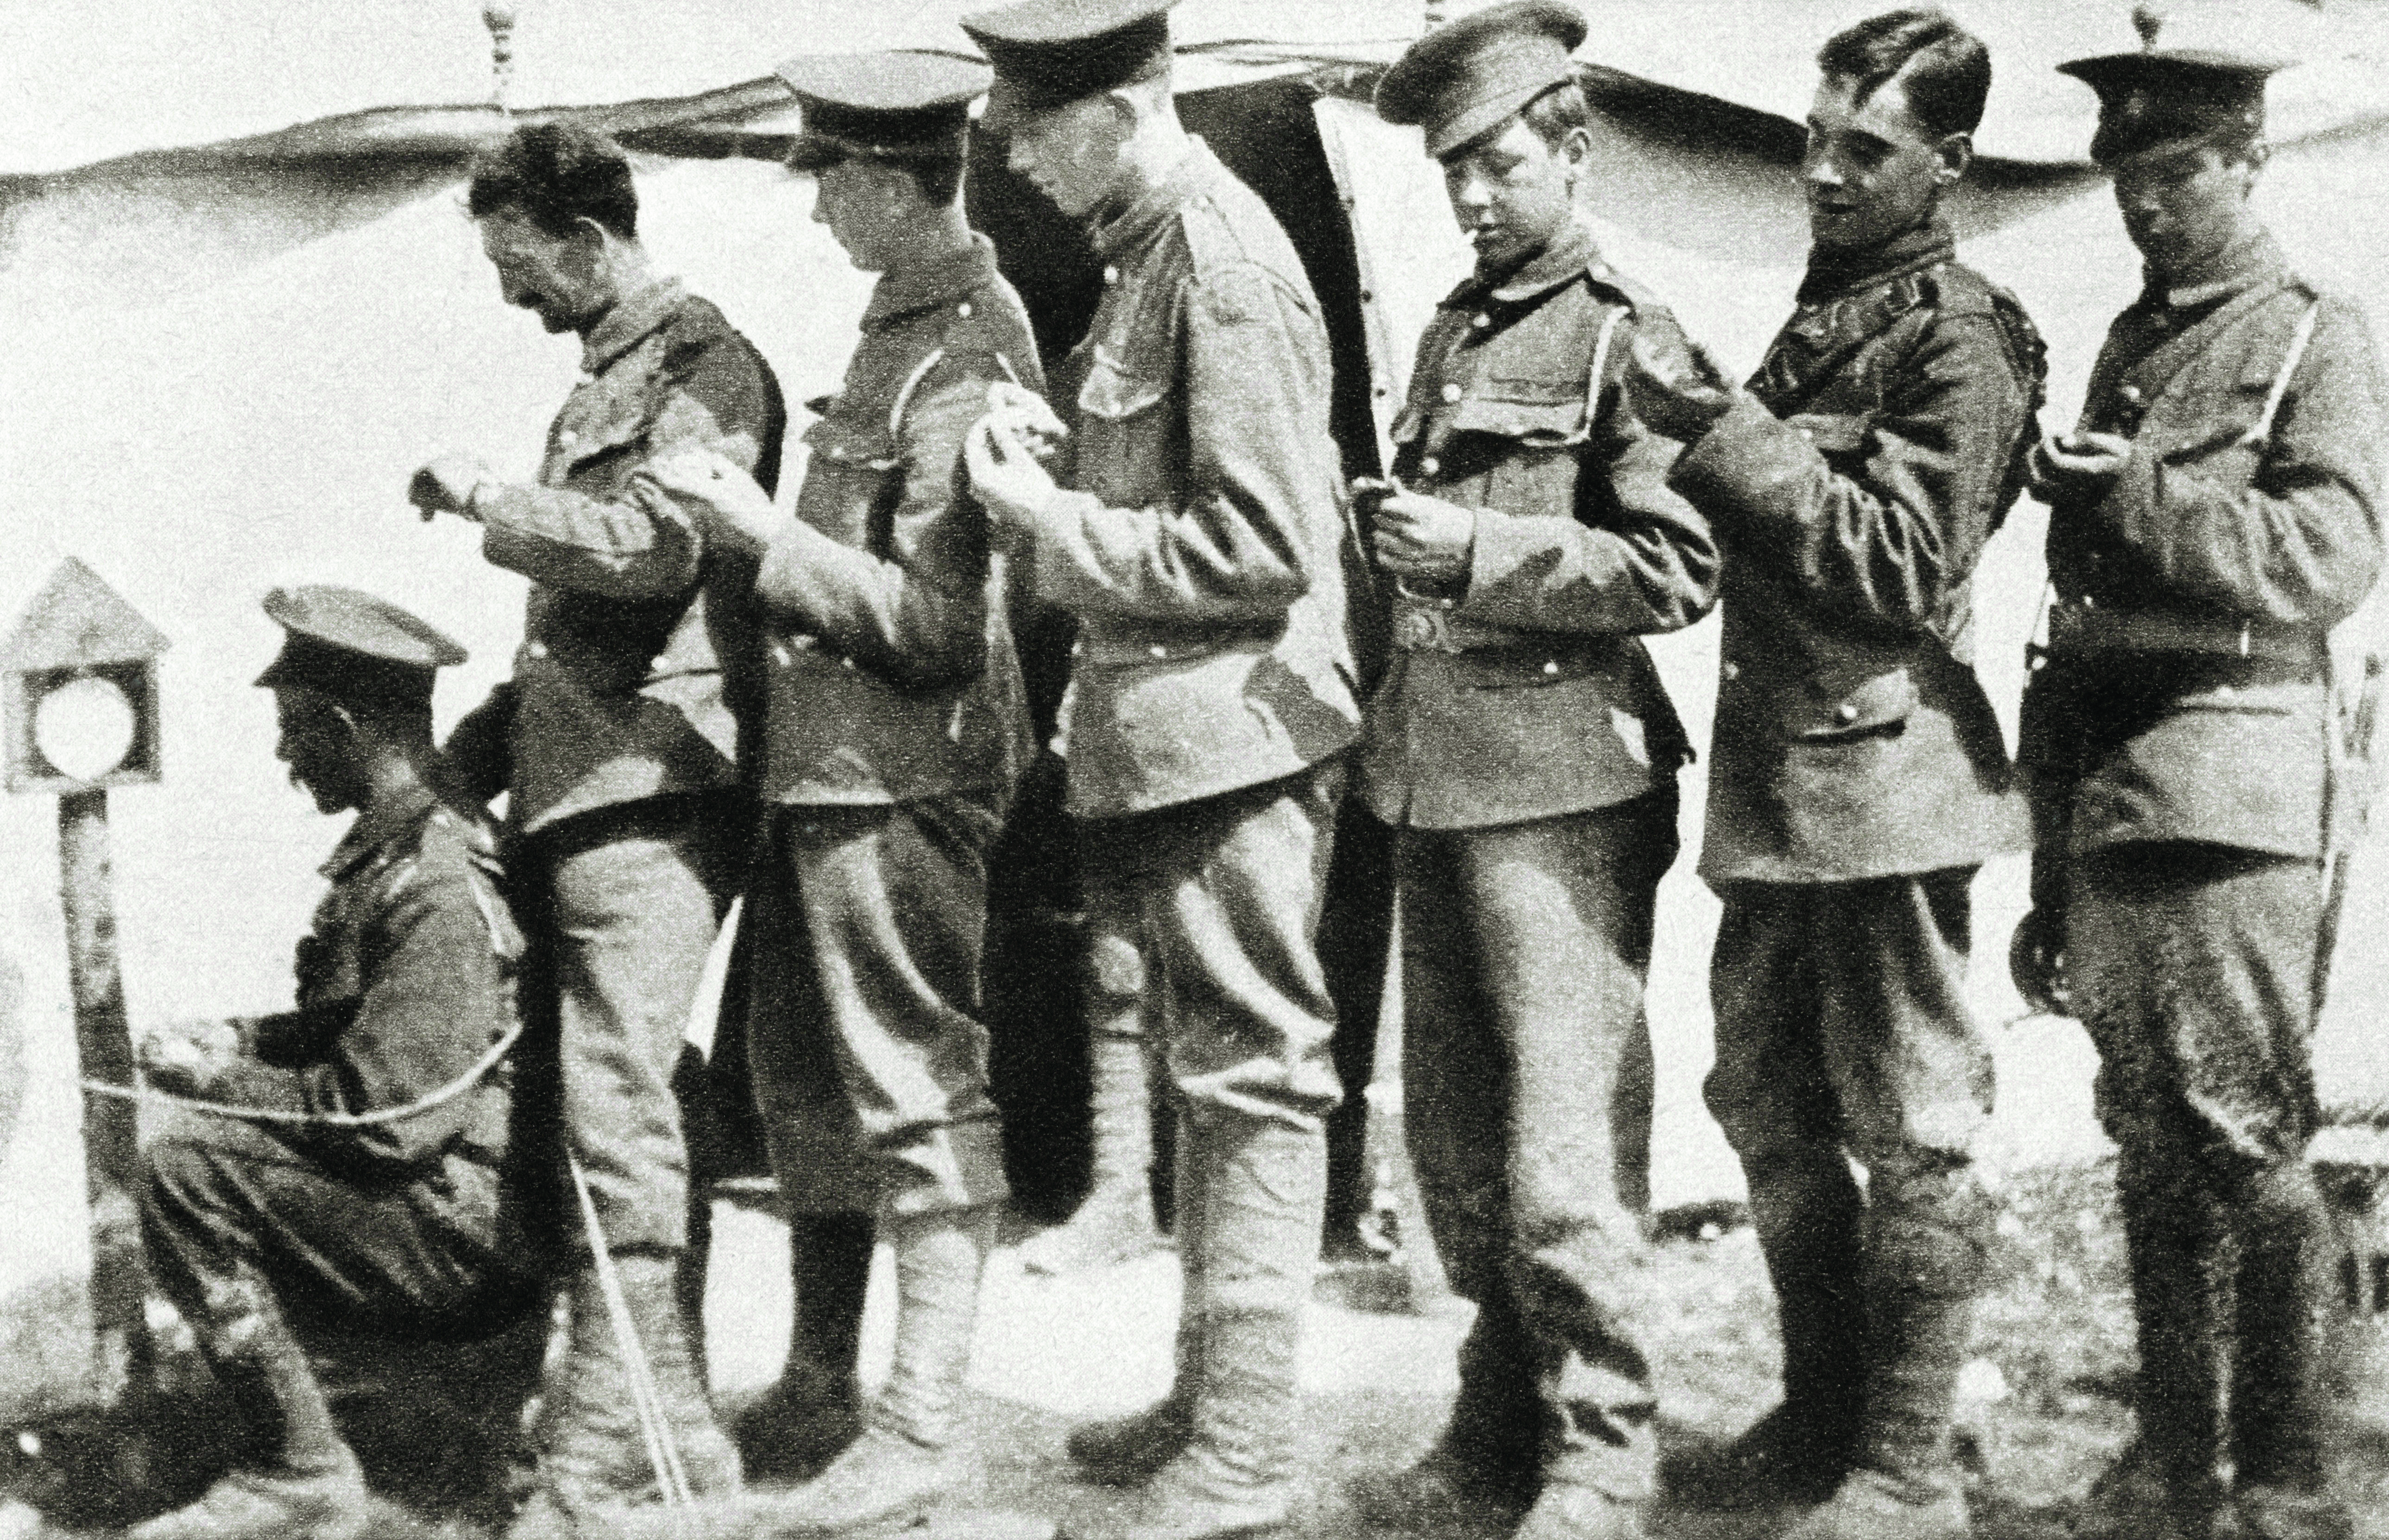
(85, 728)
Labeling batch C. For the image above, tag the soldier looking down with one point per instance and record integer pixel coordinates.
(1523, 746)
(317, 1196)
(2214, 514)
(1194, 530)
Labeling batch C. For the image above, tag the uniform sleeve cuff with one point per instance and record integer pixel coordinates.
(1744, 460)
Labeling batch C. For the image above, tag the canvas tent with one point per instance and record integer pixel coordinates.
(228, 356)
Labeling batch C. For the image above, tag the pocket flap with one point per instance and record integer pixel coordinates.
(1871, 706)
(1547, 422)
(845, 443)
(1113, 392)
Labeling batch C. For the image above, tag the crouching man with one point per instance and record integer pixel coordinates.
(356, 1167)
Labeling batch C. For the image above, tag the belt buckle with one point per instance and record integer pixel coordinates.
(1424, 630)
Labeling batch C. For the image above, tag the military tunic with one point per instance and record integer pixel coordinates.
(1858, 779)
(406, 983)
(2177, 733)
(895, 730)
(622, 726)
(1522, 744)
(1197, 543)
(2178, 736)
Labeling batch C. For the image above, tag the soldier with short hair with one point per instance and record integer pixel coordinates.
(1195, 532)
(1524, 748)
(1858, 780)
(620, 743)
(2214, 513)
(894, 732)
(363, 1165)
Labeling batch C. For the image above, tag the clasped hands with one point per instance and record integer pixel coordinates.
(184, 1058)
(1007, 452)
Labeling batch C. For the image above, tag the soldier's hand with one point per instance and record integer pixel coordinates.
(1006, 475)
(1029, 417)
(185, 1057)
(1671, 382)
(2073, 463)
(445, 486)
(1423, 539)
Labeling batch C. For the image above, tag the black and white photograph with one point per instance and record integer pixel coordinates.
(1194, 769)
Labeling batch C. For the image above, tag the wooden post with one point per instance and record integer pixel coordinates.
(103, 1048)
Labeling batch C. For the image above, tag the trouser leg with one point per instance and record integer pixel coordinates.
(1457, 1076)
(1228, 893)
(1355, 940)
(893, 902)
(1549, 918)
(2193, 966)
(1773, 1098)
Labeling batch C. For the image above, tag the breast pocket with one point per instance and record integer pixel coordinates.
(1875, 707)
(1526, 434)
(852, 482)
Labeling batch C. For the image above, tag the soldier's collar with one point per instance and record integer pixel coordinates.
(633, 317)
(1570, 252)
(2234, 270)
(1835, 273)
(386, 819)
(1112, 234)
(922, 286)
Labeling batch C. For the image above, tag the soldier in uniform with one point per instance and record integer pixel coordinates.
(2214, 513)
(893, 735)
(1859, 781)
(1195, 533)
(617, 741)
(318, 1196)
(1522, 745)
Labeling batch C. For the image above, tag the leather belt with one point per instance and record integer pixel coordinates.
(1425, 626)
(2083, 627)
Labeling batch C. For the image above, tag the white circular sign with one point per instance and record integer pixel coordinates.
(85, 728)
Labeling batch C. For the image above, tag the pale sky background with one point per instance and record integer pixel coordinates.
(201, 403)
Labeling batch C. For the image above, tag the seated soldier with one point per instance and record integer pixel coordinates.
(354, 1169)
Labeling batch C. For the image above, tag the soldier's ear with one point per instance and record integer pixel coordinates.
(1955, 152)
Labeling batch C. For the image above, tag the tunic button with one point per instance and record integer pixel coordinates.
(1450, 392)
(538, 649)
(1733, 671)
(1480, 320)
(1430, 465)
(962, 308)
(1846, 712)
(1550, 666)
(1157, 650)
(2131, 393)
(1111, 274)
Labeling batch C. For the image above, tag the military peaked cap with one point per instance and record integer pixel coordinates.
(2165, 98)
(1049, 52)
(893, 104)
(1467, 78)
(354, 647)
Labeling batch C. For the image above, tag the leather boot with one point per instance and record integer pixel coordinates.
(1124, 1451)
(909, 1454)
(2280, 1406)
(814, 1410)
(1264, 1188)
(310, 1486)
(1805, 1206)
(1114, 1224)
(593, 1457)
(1926, 1239)
(1484, 1470)
(2177, 1239)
